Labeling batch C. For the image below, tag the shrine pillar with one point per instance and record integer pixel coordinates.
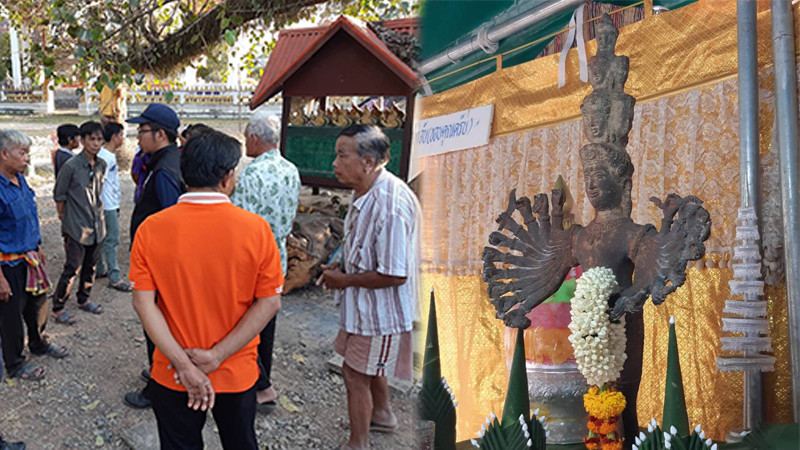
(786, 121)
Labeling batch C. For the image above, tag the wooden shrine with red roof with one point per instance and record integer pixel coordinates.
(334, 76)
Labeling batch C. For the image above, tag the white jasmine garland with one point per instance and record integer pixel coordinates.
(599, 344)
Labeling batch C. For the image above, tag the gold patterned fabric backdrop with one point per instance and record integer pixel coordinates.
(686, 143)
(684, 140)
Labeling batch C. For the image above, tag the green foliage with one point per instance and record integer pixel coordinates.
(216, 64)
(75, 40)
(5, 58)
(373, 9)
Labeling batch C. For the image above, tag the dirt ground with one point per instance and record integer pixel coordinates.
(79, 402)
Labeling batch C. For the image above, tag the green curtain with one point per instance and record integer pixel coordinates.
(449, 22)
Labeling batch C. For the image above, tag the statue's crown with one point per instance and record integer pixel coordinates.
(609, 155)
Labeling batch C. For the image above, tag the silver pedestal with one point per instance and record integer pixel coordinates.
(557, 390)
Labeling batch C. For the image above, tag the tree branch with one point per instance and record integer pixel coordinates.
(161, 57)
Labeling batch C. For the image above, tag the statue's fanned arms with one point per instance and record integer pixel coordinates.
(528, 265)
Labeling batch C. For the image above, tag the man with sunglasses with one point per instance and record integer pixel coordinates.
(163, 184)
(157, 135)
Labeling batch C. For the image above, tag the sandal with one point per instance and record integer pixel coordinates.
(65, 318)
(55, 351)
(379, 428)
(29, 372)
(267, 407)
(121, 285)
(91, 307)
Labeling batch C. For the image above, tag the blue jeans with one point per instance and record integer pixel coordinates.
(108, 252)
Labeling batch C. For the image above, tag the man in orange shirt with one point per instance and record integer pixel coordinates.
(217, 272)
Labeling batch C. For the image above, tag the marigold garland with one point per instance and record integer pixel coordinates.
(592, 443)
(604, 405)
(612, 445)
(601, 426)
(608, 427)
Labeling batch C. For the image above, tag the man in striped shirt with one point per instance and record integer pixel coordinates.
(376, 284)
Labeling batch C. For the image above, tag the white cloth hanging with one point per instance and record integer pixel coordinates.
(575, 35)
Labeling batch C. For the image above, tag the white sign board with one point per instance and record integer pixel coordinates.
(458, 131)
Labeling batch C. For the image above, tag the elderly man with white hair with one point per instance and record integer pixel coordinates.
(268, 186)
(23, 280)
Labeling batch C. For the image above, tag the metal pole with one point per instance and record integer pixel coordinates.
(497, 33)
(748, 104)
(749, 185)
(786, 120)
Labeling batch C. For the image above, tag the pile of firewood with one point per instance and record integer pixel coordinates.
(317, 232)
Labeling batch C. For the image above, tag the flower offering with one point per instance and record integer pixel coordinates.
(599, 346)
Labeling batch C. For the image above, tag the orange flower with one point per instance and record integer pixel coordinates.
(613, 445)
(607, 427)
(604, 405)
(592, 443)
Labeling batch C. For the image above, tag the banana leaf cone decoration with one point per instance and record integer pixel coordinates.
(516, 431)
(675, 414)
(657, 439)
(764, 437)
(675, 432)
(436, 401)
(774, 436)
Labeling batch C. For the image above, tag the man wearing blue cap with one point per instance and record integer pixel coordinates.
(157, 134)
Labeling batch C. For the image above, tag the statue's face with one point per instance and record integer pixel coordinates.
(598, 76)
(605, 42)
(604, 191)
(594, 124)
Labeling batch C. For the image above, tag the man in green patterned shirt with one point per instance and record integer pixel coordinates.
(268, 186)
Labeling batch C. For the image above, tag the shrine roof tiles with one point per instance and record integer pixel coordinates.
(296, 46)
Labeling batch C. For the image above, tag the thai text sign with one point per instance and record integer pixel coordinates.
(458, 131)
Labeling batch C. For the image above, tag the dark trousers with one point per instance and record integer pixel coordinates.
(631, 374)
(79, 256)
(21, 307)
(180, 427)
(265, 355)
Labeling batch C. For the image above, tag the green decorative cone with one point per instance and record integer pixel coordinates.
(435, 400)
(431, 367)
(674, 399)
(517, 401)
(517, 430)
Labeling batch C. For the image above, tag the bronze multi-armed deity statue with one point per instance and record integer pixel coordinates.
(538, 253)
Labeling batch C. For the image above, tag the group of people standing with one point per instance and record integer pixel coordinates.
(192, 216)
